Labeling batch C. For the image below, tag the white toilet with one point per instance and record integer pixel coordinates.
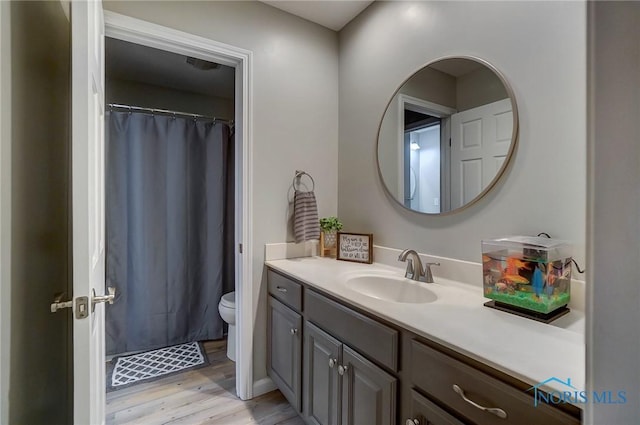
(227, 309)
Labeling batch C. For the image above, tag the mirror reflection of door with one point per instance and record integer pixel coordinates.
(422, 140)
(446, 135)
(444, 169)
(424, 161)
(480, 142)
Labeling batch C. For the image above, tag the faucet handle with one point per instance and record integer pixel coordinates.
(428, 276)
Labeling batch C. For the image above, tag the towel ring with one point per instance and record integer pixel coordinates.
(298, 176)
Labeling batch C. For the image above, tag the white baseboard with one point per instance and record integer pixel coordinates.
(263, 386)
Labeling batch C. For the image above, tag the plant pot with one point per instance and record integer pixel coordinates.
(330, 238)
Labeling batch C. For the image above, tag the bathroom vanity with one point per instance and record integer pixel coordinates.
(343, 357)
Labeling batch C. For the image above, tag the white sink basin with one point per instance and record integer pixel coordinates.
(392, 288)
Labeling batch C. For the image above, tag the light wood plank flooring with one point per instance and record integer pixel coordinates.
(200, 396)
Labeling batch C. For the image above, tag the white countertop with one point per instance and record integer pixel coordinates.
(528, 350)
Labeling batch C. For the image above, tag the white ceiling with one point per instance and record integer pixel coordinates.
(333, 14)
(133, 62)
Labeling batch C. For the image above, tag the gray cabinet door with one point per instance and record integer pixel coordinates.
(322, 356)
(368, 392)
(284, 355)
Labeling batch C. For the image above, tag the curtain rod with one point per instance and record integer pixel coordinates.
(168, 112)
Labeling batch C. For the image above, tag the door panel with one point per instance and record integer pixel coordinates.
(471, 179)
(87, 68)
(322, 355)
(368, 392)
(480, 140)
(285, 350)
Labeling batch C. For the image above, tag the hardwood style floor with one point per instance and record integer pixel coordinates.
(200, 396)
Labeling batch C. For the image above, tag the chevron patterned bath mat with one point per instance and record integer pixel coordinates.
(151, 365)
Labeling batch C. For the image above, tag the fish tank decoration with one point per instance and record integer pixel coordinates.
(528, 276)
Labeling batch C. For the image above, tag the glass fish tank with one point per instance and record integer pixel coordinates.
(531, 274)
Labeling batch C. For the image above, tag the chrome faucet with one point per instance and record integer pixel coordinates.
(414, 267)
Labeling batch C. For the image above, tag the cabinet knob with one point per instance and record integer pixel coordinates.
(342, 370)
(294, 331)
(332, 363)
(412, 422)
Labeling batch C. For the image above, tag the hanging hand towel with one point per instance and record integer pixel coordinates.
(305, 216)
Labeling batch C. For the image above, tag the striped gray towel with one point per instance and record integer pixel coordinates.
(305, 216)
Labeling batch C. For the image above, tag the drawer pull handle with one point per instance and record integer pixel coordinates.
(281, 289)
(342, 370)
(332, 363)
(294, 331)
(412, 422)
(493, 410)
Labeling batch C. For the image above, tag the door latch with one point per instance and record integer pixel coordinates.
(58, 304)
(82, 305)
(95, 299)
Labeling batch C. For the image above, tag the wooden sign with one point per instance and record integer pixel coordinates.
(357, 247)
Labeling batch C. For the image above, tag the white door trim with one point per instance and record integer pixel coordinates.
(152, 35)
(424, 107)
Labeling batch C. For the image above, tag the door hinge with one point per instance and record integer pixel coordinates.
(240, 248)
(449, 141)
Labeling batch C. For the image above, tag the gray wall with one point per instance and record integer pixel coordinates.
(151, 96)
(295, 112)
(543, 190)
(39, 370)
(613, 293)
(432, 85)
(478, 88)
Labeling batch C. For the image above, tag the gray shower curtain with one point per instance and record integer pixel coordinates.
(169, 227)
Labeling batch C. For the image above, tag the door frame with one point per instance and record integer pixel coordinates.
(141, 32)
(428, 108)
(5, 209)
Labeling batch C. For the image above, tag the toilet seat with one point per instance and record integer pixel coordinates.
(229, 300)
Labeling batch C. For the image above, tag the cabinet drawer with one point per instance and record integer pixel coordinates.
(285, 289)
(436, 373)
(424, 412)
(377, 341)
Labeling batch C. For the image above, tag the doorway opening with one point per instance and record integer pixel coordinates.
(169, 205)
(203, 52)
(425, 128)
(422, 147)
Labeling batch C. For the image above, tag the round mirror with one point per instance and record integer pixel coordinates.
(447, 135)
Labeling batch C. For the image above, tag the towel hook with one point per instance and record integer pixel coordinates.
(298, 176)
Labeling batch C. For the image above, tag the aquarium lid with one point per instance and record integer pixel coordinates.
(532, 241)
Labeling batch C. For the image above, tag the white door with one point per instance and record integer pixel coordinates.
(480, 141)
(87, 73)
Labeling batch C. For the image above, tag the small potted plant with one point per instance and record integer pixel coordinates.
(330, 226)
